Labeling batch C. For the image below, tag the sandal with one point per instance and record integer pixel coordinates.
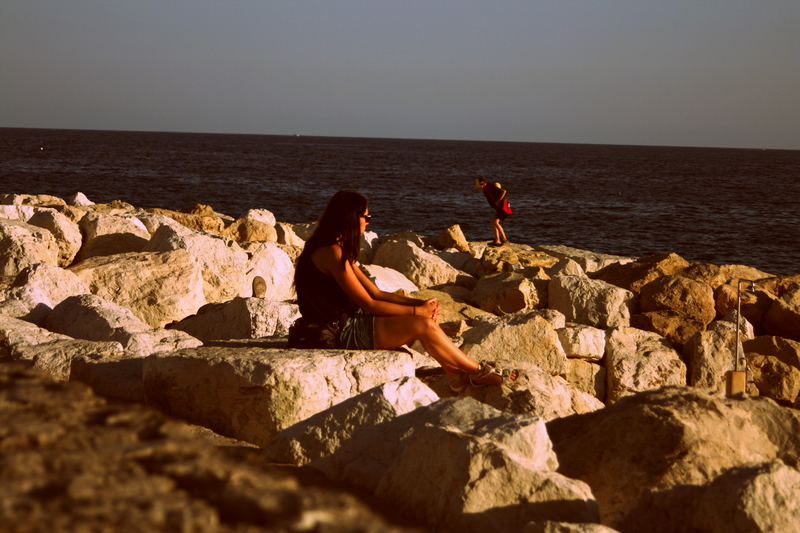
(487, 369)
(460, 382)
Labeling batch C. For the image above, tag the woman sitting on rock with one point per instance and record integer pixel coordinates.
(333, 292)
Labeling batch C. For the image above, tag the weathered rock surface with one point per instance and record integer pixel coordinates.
(37, 289)
(582, 342)
(105, 235)
(252, 393)
(462, 466)
(23, 245)
(271, 262)
(66, 232)
(783, 317)
(422, 268)
(251, 230)
(453, 237)
(680, 295)
(710, 355)
(588, 261)
(591, 302)
(388, 279)
(587, 377)
(322, 434)
(240, 318)
(507, 292)
(72, 461)
(635, 275)
(668, 438)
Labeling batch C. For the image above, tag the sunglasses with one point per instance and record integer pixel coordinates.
(367, 217)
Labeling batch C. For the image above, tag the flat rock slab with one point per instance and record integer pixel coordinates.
(251, 394)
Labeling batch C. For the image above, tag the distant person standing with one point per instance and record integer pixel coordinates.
(496, 196)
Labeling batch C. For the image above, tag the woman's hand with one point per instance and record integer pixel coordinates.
(431, 308)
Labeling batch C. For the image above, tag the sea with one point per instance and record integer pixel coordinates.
(711, 205)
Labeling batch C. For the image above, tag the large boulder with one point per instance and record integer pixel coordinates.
(23, 245)
(66, 232)
(323, 433)
(587, 377)
(260, 215)
(686, 297)
(253, 393)
(783, 317)
(223, 262)
(157, 287)
(462, 466)
(209, 223)
(250, 230)
(788, 351)
(453, 237)
(388, 279)
(105, 234)
(507, 292)
(16, 334)
(774, 378)
(639, 360)
(513, 257)
(589, 262)
(422, 268)
(674, 327)
(591, 302)
(525, 337)
(37, 289)
(93, 318)
(273, 264)
(582, 342)
(669, 438)
(711, 355)
(635, 275)
(56, 357)
(240, 318)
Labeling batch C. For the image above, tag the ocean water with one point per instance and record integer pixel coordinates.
(722, 206)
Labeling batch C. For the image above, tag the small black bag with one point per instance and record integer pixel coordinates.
(320, 335)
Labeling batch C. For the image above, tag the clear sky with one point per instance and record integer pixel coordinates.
(657, 72)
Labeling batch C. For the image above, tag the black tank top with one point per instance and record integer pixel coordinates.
(319, 297)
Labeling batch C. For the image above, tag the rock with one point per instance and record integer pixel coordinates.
(16, 333)
(639, 360)
(240, 318)
(462, 466)
(522, 337)
(78, 200)
(113, 375)
(635, 275)
(105, 235)
(455, 308)
(213, 224)
(39, 288)
(152, 222)
(30, 199)
(587, 377)
(388, 279)
(323, 433)
(453, 237)
(680, 295)
(93, 318)
(667, 438)
(250, 230)
(513, 257)
(783, 317)
(549, 526)
(223, 262)
(565, 267)
(56, 357)
(251, 394)
(707, 273)
(271, 262)
(72, 461)
(753, 306)
(67, 233)
(462, 261)
(157, 287)
(591, 302)
(761, 497)
(746, 330)
(785, 350)
(305, 230)
(507, 292)
(588, 261)
(260, 215)
(774, 378)
(286, 235)
(674, 327)
(710, 355)
(583, 342)
(23, 245)
(423, 269)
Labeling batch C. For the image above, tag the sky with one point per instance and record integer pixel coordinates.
(645, 72)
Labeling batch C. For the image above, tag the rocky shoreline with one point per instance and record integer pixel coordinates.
(118, 322)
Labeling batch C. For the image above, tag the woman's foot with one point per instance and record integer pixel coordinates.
(489, 374)
(495, 243)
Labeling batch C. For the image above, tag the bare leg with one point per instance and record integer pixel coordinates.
(393, 331)
(499, 234)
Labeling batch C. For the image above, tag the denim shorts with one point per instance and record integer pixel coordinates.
(358, 332)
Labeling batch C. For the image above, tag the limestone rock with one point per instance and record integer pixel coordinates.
(774, 378)
(591, 302)
(157, 287)
(588, 261)
(67, 233)
(785, 350)
(286, 235)
(16, 333)
(674, 327)
(513, 257)
(462, 466)
(672, 437)
(681, 295)
(223, 262)
(39, 288)
(271, 262)
(260, 215)
(116, 375)
(78, 200)
(323, 433)
(250, 230)
(23, 245)
(240, 318)
(506, 292)
(453, 237)
(548, 526)
(93, 318)
(587, 377)
(582, 342)
(213, 224)
(521, 337)
(639, 360)
(56, 357)
(635, 275)
(105, 235)
(422, 268)
(710, 355)
(783, 317)
(455, 307)
(753, 306)
(565, 267)
(388, 279)
(30, 199)
(253, 393)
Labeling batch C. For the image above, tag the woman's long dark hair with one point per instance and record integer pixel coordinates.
(340, 224)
